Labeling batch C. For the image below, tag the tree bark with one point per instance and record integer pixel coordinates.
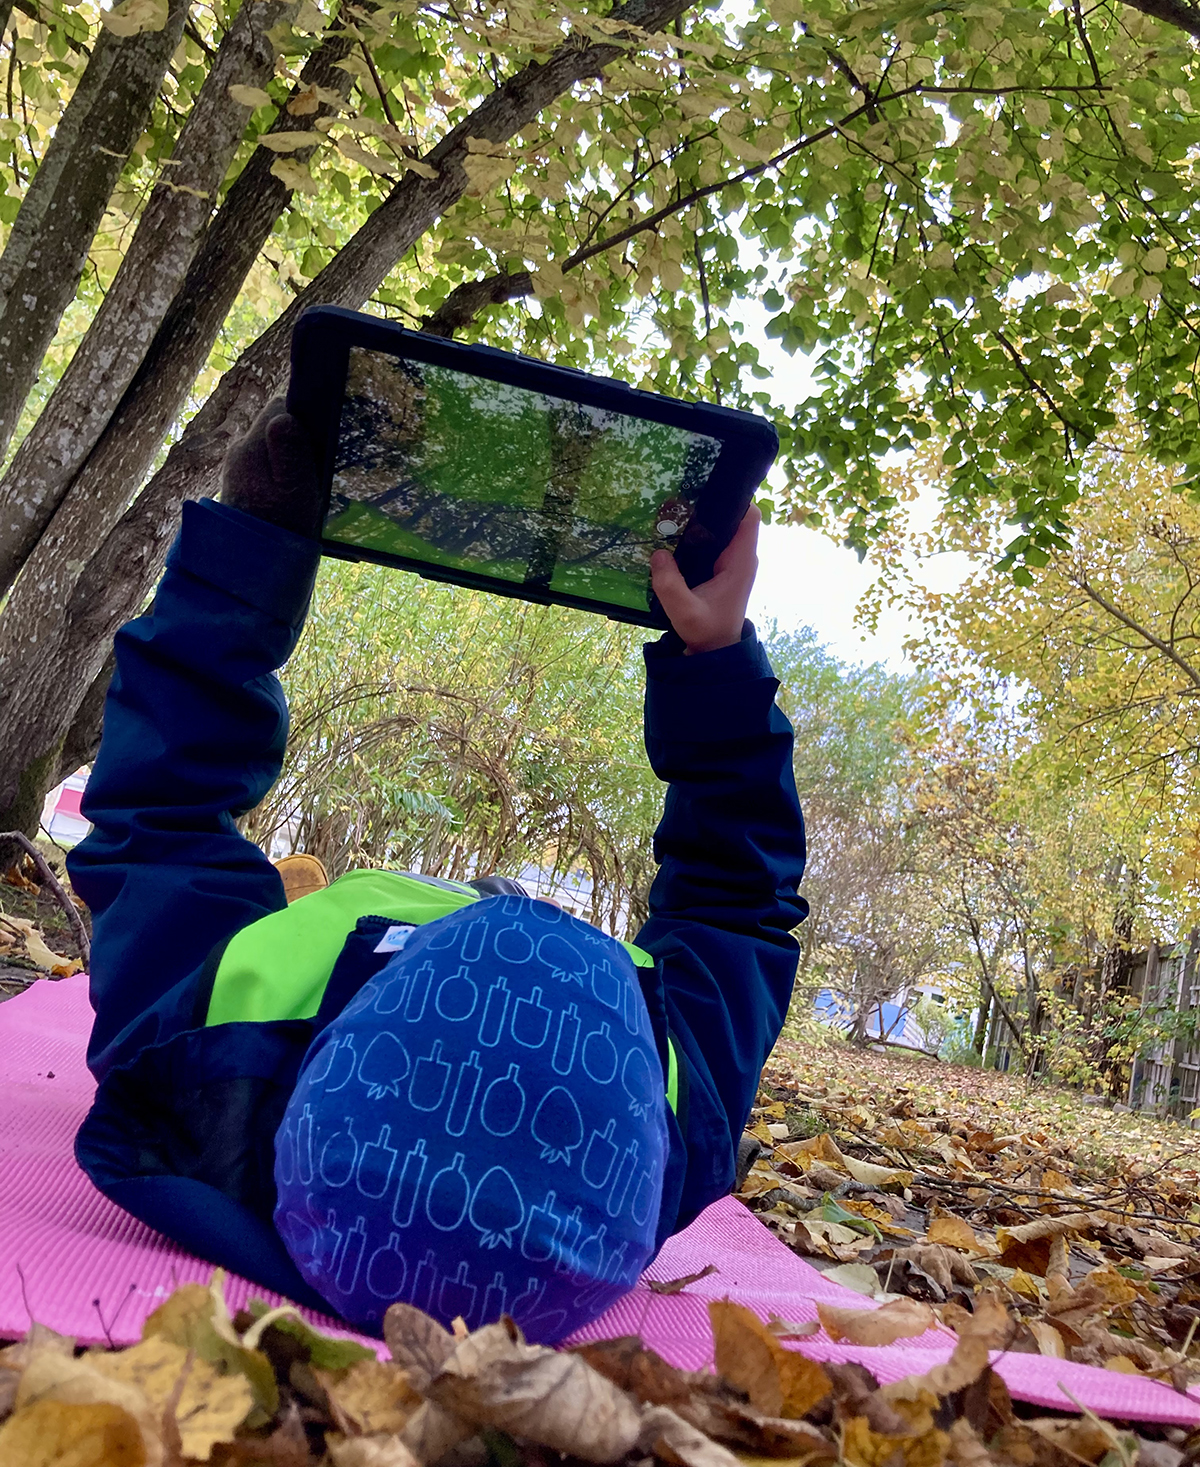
(73, 594)
(146, 283)
(64, 204)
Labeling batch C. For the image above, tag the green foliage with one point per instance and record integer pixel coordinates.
(441, 730)
(979, 222)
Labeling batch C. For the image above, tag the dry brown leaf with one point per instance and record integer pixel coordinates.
(375, 1396)
(419, 1345)
(1028, 1246)
(1049, 1341)
(900, 1319)
(946, 1266)
(369, 1451)
(37, 1338)
(966, 1449)
(433, 1431)
(678, 1442)
(1085, 1438)
(989, 1328)
(58, 1434)
(779, 1382)
(493, 1378)
(677, 1286)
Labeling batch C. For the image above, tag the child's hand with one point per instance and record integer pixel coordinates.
(271, 472)
(710, 616)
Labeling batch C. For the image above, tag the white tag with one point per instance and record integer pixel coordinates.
(395, 938)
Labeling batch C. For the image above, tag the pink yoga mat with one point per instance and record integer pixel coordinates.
(85, 1268)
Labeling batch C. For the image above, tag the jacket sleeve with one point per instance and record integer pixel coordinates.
(730, 848)
(195, 726)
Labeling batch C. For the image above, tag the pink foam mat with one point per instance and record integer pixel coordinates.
(82, 1266)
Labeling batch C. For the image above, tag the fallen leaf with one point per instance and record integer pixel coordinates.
(1049, 1341)
(779, 1382)
(374, 1395)
(211, 1405)
(369, 1451)
(676, 1286)
(554, 1398)
(418, 1344)
(860, 1277)
(61, 1434)
(899, 1320)
(954, 1232)
(673, 1440)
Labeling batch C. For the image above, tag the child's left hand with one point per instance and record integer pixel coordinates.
(272, 473)
(710, 616)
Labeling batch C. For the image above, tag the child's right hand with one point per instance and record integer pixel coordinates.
(710, 616)
(272, 473)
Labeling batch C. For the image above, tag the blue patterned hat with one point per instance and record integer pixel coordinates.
(482, 1130)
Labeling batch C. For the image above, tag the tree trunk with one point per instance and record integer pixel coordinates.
(64, 204)
(142, 292)
(979, 1041)
(74, 592)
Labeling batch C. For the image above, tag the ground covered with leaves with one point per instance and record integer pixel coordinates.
(264, 1387)
(1018, 1217)
(37, 937)
(909, 1180)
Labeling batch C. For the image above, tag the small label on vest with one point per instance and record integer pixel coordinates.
(395, 938)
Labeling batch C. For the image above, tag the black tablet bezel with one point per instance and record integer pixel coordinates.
(321, 343)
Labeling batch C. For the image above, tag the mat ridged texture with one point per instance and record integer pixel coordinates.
(88, 1269)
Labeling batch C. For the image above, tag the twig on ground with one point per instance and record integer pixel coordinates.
(52, 881)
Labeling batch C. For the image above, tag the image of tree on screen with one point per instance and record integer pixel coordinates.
(445, 467)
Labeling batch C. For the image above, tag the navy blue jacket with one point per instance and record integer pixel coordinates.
(182, 1130)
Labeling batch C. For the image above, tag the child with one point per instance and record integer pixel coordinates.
(398, 1087)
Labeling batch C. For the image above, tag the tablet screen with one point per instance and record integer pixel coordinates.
(443, 467)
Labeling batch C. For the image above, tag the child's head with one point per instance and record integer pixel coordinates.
(482, 1129)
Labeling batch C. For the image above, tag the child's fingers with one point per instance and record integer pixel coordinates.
(669, 586)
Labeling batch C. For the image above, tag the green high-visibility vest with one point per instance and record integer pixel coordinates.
(279, 967)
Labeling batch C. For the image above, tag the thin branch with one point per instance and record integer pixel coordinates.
(52, 881)
(1115, 611)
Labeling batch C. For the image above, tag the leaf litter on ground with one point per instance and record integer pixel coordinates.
(1010, 1237)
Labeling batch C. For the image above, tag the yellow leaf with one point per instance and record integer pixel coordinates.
(955, 1232)
(1021, 1283)
(862, 1447)
(374, 1394)
(211, 1406)
(249, 96)
(358, 154)
(422, 170)
(295, 175)
(54, 1434)
(135, 16)
(1122, 1364)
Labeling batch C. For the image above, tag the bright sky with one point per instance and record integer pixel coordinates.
(807, 579)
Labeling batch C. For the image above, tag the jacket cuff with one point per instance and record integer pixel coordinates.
(258, 563)
(727, 694)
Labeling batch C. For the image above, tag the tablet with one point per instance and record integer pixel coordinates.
(496, 471)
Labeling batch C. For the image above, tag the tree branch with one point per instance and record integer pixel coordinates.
(1126, 620)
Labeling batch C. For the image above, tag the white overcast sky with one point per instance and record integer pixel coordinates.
(807, 579)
